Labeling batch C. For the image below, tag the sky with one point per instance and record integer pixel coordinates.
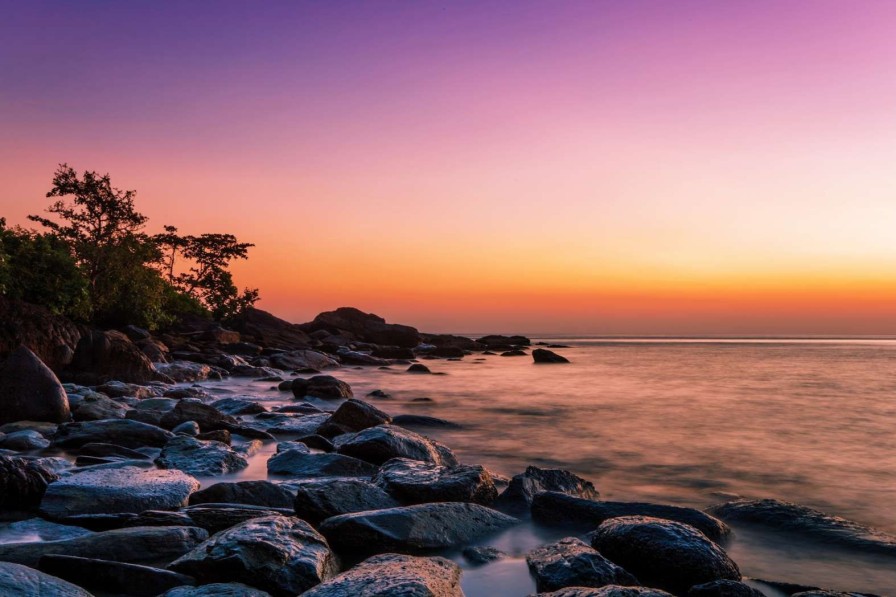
(637, 167)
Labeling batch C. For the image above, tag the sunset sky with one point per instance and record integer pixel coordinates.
(694, 167)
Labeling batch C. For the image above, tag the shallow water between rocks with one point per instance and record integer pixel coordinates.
(688, 422)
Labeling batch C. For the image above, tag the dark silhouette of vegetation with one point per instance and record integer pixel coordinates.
(95, 263)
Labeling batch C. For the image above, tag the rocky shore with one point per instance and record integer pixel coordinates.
(99, 492)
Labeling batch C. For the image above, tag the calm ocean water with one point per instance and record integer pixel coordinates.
(689, 422)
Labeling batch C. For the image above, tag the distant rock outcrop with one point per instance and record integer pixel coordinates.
(262, 328)
(365, 327)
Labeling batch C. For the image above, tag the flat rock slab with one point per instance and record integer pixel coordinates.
(117, 490)
(113, 577)
(138, 545)
(662, 553)
(21, 581)
(280, 555)
(394, 574)
(558, 509)
(412, 529)
(572, 562)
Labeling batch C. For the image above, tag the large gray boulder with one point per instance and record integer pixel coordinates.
(116, 491)
(661, 553)
(393, 575)
(30, 391)
(121, 432)
(320, 499)
(384, 442)
(416, 482)
(558, 509)
(410, 529)
(571, 562)
(200, 458)
(283, 556)
(138, 545)
(21, 581)
(23, 482)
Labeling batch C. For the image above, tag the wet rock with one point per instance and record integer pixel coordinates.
(30, 391)
(724, 588)
(571, 562)
(412, 528)
(418, 368)
(423, 421)
(416, 482)
(121, 432)
(21, 581)
(117, 490)
(96, 407)
(303, 359)
(103, 356)
(283, 556)
(322, 498)
(316, 442)
(206, 416)
(607, 591)
(483, 555)
(495, 341)
(113, 577)
(215, 518)
(384, 442)
(38, 529)
(185, 371)
(393, 352)
(139, 545)
(394, 574)
(353, 357)
(287, 424)
(299, 463)
(379, 394)
(221, 589)
(353, 415)
(793, 518)
(321, 386)
(219, 435)
(190, 428)
(239, 406)
(557, 509)
(119, 389)
(111, 450)
(255, 493)
(200, 458)
(513, 353)
(24, 440)
(23, 482)
(541, 355)
(517, 498)
(662, 553)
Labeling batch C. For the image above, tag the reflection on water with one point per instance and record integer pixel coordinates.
(683, 422)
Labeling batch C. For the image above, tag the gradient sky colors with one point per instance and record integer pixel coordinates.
(695, 167)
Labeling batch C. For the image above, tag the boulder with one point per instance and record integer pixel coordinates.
(423, 421)
(558, 509)
(807, 522)
(96, 407)
(724, 588)
(410, 529)
(500, 342)
(365, 326)
(218, 589)
(394, 574)
(571, 562)
(319, 499)
(254, 493)
(517, 498)
(215, 518)
(260, 327)
(541, 355)
(316, 442)
(661, 553)
(288, 424)
(111, 450)
(121, 432)
(30, 391)
(103, 356)
(52, 337)
(200, 458)
(303, 359)
(392, 352)
(38, 529)
(185, 371)
(21, 581)
(23, 482)
(418, 368)
(384, 442)
(416, 482)
(321, 386)
(190, 428)
(607, 591)
(113, 577)
(117, 490)
(23, 441)
(239, 406)
(283, 556)
(118, 389)
(138, 545)
(300, 463)
(206, 416)
(353, 415)
(479, 555)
